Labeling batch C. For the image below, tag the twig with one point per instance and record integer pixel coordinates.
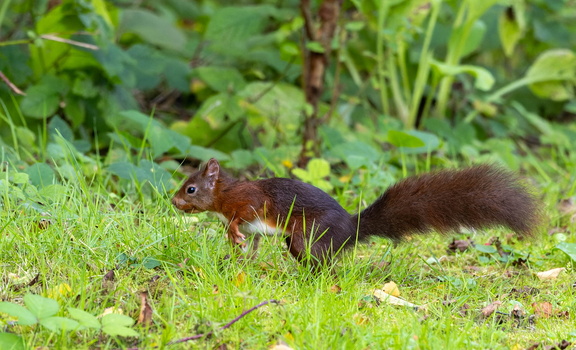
(68, 41)
(227, 325)
(11, 85)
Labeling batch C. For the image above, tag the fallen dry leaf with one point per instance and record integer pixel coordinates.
(490, 309)
(240, 278)
(335, 289)
(145, 316)
(391, 288)
(460, 245)
(543, 309)
(280, 346)
(108, 280)
(550, 274)
(526, 290)
(112, 310)
(360, 319)
(32, 282)
(390, 299)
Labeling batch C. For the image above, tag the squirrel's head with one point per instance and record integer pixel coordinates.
(198, 192)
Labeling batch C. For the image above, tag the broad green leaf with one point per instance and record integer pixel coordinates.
(58, 127)
(83, 86)
(152, 28)
(488, 249)
(484, 79)
(118, 325)
(25, 317)
(20, 178)
(57, 324)
(553, 75)
(569, 249)
(475, 38)
(281, 103)
(113, 319)
(40, 306)
(350, 151)
(41, 174)
(151, 263)
(53, 193)
(318, 168)
(42, 99)
(232, 28)
(220, 109)
(120, 331)
(403, 139)
(221, 79)
(75, 109)
(10, 341)
(431, 142)
(84, 318)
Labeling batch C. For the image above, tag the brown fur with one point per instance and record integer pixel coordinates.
(477, 197)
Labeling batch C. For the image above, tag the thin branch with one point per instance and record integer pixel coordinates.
(227, 325)
(70, 42)
(308, 21)
(11, 85)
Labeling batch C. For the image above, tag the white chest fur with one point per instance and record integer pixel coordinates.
(254, 227)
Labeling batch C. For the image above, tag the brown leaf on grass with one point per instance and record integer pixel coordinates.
(517, 312)
(240, 279)
(108, 280)
(460, 245)
(360, 319)
(154, 278)
(391, 288)
(495, 241)
(464, 310)
(280, 346)
(564, 344)
(526, 290)
(520, 262)
(215, 289)
(490, 309)
(32, 282)
(543, 309)
(335, 289)
(44, 224)
(145, 316)
(472, 269)
(550, 274)
(567, 207)
(563, 314)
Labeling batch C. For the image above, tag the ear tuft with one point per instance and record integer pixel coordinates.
(212, 168)
(212, 172)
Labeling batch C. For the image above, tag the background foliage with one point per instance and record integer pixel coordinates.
(102, 101)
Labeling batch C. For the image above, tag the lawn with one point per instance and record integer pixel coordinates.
(90, 249)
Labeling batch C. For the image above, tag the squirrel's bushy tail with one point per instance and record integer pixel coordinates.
(477, 197)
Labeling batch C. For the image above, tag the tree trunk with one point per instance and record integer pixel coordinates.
(314, 69)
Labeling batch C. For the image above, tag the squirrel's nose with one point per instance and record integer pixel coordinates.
(178, 203)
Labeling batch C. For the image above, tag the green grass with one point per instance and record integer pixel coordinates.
(195, 288)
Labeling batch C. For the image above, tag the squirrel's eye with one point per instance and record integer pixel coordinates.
(191, 190)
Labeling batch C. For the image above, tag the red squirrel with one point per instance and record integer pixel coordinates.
(313, 222)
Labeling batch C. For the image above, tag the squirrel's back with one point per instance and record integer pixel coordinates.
(476, 197)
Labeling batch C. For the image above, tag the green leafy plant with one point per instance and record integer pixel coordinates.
(43, 311)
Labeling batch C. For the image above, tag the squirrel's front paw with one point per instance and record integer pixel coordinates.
(237, 238)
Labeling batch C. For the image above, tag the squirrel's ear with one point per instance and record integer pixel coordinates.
(212, 171)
